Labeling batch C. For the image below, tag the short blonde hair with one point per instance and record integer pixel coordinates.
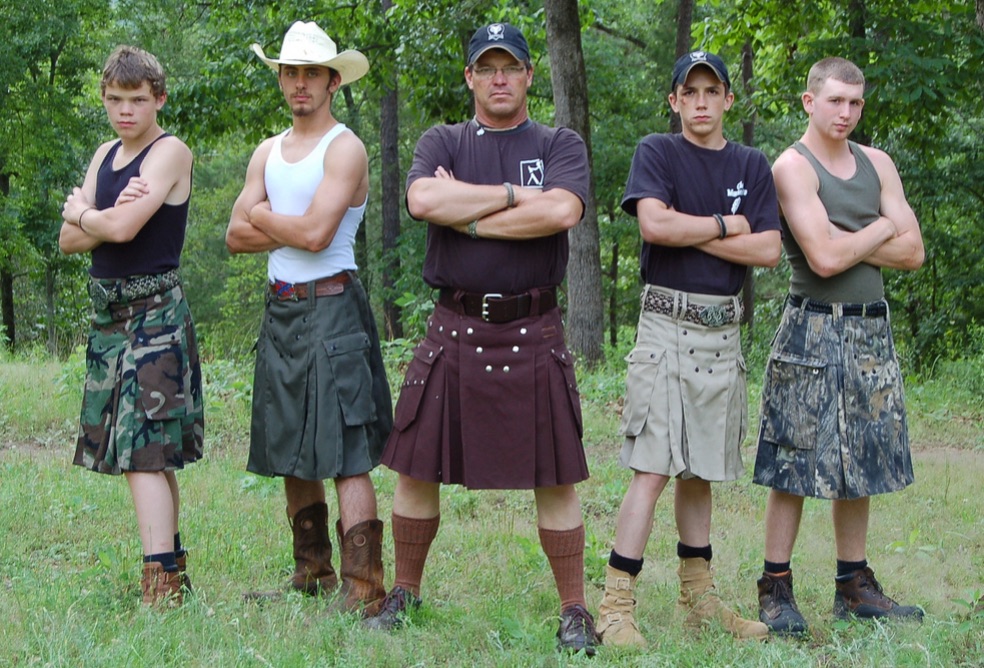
(840, 69)
(128, 67)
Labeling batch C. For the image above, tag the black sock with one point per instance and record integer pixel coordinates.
(631, 566)
(775, 567)
(690, 552)
(847, 568)
(166, 559)
(178, 550)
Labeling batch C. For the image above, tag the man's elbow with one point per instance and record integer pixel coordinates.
(771, 259)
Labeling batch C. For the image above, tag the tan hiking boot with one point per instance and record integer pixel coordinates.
(700, 602)
(616, 625)
(160, 588)
(362, 567)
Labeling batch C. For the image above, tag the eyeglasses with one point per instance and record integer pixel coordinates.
(487, 72)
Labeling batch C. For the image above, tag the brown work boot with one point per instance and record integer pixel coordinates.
(160, 588)
(700, 602)
(860, 595)
(777, 605)
(617, 626)
(362, 567)
(313, 573)
(183, 573)
(576, 632)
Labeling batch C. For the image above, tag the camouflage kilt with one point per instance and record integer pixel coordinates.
(142, 406)
(833, 420)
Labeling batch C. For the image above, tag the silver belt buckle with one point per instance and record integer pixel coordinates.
(485, 303)
(714, 315)
(98, 294)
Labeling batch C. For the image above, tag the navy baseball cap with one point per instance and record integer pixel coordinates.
(695, 58)
(498, 36)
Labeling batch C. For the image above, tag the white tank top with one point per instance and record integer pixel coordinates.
(291, 187)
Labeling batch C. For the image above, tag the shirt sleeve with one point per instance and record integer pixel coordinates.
(648, 175)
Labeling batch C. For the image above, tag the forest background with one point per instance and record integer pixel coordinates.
(924, 62)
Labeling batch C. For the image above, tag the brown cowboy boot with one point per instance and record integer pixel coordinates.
(616, 615)
(160, 588)
(362, 567)
(701, 603)
(313, 573)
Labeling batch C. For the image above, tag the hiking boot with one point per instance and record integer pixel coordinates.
(700, 602)
(860, 595)
(616, 615)
(577, 631)
(362, 567)
(777, 605)
(396, 605)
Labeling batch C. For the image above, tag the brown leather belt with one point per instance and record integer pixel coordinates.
(497, 308)
(323, 287)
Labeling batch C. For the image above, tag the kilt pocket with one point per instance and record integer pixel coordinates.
(565, 360)
(646, 365)
(158, 367)
(794, 395)
(348, 356)
(415, 383)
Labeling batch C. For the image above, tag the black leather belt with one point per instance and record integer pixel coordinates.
(497, 308)
(873, 310)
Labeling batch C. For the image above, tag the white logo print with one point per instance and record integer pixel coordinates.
(698, 57)
(737, 192)
(531, 173)
(496, 32)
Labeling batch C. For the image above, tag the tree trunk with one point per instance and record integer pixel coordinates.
(748, 138)
(389, 144)
(980, 14)
(6, 283)
(585, 312)
(49, 305)
(857, 12)
(685, 20)
(613, 298)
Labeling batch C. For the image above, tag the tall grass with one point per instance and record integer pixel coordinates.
(69, 552)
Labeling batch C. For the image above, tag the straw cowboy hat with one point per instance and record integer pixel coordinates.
(307, 44)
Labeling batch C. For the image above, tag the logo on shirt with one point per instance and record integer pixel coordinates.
(737, 192)
(531, 173)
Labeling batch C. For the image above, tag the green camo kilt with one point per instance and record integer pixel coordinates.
(142, 406)
(833, 421)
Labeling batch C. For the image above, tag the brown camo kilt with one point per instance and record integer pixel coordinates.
(489, 406)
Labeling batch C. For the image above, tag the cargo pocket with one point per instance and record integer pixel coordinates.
(738, 410)
(415, 383)
(348, 357)
(795, 393)
(646, 365)
(565, 361)
(158, 365)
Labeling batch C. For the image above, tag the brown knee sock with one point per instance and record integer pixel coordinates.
(412, 540)
(565, 551)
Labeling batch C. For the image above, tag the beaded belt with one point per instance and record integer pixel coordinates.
(709, 315)
(106, 291)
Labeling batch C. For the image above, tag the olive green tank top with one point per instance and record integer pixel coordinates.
(851, 204)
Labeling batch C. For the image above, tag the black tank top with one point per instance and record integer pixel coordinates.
(157, 246)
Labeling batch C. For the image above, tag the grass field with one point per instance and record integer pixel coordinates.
(69, 554)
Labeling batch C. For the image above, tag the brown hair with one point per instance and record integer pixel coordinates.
(833, 68)
(128, 67)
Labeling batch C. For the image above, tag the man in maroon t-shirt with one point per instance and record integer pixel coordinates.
(490, 400)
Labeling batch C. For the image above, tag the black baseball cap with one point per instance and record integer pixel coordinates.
(695, 58)
(498, 36)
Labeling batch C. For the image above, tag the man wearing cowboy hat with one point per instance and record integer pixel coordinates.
(321, 403)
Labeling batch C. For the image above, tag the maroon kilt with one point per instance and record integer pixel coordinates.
(489, 406)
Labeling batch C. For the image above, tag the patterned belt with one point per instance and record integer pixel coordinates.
(497, 308)
(106, 291)
(323, 287)
(709, 315)
(872, 310)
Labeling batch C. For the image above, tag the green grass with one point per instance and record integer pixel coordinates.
(69, 554)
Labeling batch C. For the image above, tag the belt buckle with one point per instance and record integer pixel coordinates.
(485, 303)
(98, 294)
(285, 291)
(714, 315)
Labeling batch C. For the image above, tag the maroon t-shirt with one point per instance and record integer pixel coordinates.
(529, 156)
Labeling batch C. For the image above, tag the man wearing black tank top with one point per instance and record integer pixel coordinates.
(833, 421)
(142, 407)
